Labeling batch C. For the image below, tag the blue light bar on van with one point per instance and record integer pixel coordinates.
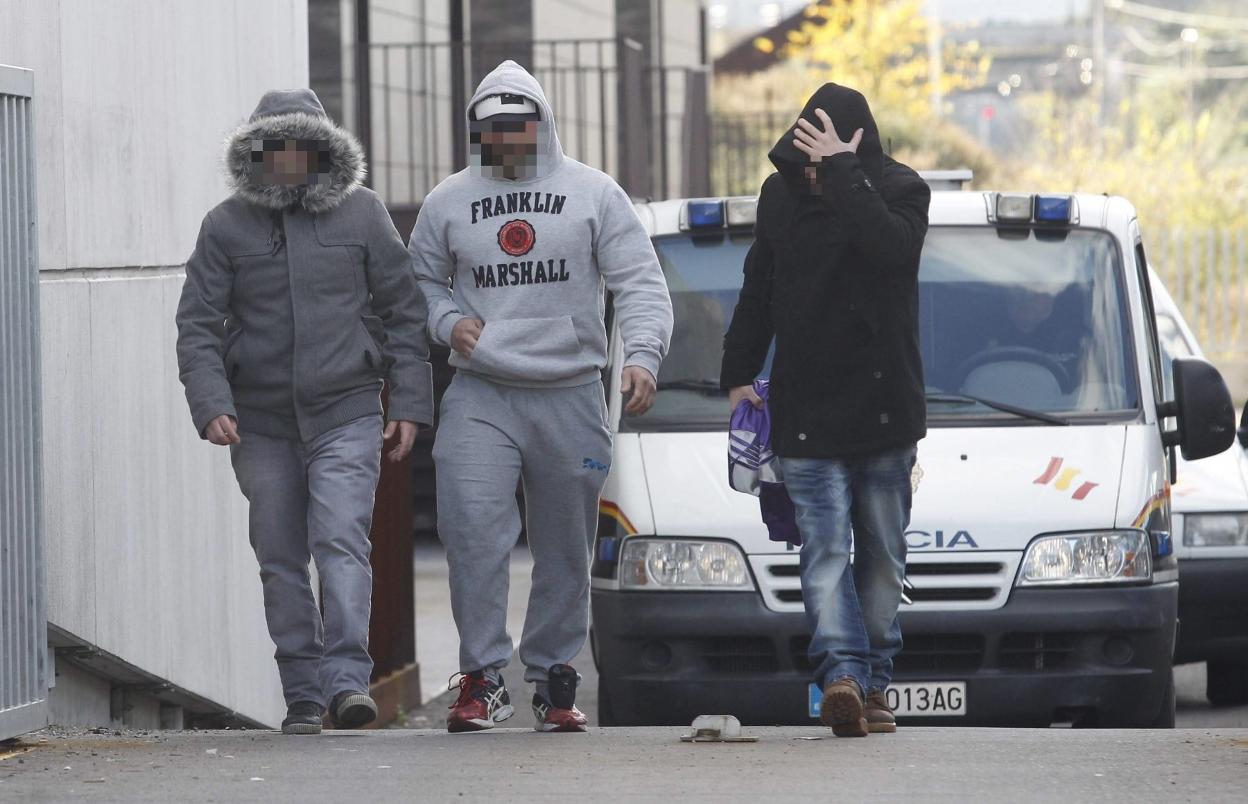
(704, 214)
(1053, 208)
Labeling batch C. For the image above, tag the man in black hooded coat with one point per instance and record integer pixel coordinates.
(833, 278)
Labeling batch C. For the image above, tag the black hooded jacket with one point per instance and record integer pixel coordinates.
(833, 277)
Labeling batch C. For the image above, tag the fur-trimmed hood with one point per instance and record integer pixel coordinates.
(294, 114)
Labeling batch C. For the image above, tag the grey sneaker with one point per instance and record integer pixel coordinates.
(880, 718)
(352, 710)
(842, 709)
(303, 717)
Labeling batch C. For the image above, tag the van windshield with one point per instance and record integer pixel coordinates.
(1036, 321)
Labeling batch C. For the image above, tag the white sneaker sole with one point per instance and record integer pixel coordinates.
(547, 728)
(482, 724)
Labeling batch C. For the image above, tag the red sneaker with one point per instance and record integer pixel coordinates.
(560, 712)
(551, 718)
(482, 704)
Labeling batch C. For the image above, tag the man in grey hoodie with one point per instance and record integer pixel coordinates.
(299, 300)
(513, 254)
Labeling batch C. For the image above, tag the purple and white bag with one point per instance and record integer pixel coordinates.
(754, 469)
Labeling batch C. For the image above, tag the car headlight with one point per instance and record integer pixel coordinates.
(680, 564)
(1114, 556)
(1215, 530)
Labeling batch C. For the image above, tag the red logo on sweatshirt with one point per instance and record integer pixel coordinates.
(516, 238)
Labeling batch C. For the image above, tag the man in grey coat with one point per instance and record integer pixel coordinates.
(299, 301)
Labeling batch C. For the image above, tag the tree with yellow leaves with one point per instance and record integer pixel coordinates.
(880, 48)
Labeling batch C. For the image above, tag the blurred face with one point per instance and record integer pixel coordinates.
(812, 178)
(1028, 308)
(506, 150)
(291, 162)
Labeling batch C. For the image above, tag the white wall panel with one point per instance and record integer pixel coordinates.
(69, 476)
(573, 19)
(30, 37)
(147, 544)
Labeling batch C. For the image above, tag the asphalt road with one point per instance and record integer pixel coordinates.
(641, 764)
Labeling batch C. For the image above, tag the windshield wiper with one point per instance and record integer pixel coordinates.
(709, 387)
(1025, 413)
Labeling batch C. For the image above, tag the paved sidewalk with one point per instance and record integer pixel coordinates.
(642, 764)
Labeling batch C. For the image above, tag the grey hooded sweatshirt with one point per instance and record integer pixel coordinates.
(299, 299)
(530, 257)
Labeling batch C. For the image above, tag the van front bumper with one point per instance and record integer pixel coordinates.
(1097, 656)
(1213, 594)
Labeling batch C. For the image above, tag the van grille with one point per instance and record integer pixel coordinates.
(934, 580)
(739, 655)
(922, 654)
(1036, 651)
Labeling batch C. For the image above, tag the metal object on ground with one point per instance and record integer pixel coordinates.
(717, 729)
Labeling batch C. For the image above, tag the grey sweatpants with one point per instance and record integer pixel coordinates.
(556, 442)
(314, 499)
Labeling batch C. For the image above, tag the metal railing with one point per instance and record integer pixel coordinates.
(23, 618)
(613, 110)
(1206, 271)
(739, 146)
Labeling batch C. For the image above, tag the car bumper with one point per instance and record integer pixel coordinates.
(1213, 594)
(1099, 656)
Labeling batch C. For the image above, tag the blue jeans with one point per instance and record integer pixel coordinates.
(862, 505)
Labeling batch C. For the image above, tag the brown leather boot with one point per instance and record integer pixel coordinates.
(842, 709)
(880, 719)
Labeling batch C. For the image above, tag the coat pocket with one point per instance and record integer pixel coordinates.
(372, 348)
(233, 354)
(528, 350)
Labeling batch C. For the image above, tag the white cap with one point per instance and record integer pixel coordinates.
(503, 104)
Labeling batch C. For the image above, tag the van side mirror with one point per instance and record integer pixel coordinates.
(1243, 428)
(1202, 405)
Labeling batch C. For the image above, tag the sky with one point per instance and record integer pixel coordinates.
(762, 13)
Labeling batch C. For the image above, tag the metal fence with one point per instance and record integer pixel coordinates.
(739, 146)
(23, 619)
(1206, 271)
(614, 111)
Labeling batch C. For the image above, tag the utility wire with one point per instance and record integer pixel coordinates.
(1188, 18)
(1232, 72)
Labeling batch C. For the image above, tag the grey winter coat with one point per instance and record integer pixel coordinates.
(300, 299)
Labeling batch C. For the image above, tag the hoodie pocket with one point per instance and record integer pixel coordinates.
(528, 350)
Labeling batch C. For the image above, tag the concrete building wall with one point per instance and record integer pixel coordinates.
(148, 558)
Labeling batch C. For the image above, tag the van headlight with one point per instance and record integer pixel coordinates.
(682, 564)
(1215, 530)
(1112, 556)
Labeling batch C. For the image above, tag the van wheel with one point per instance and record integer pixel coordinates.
(1165, 717)
(606, 716)
(1226, 682)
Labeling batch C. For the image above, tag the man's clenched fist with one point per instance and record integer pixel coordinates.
(744, 392)
(639, 388)
(465, 335)
(223, 431)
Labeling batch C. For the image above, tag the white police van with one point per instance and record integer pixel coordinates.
(1042, 578)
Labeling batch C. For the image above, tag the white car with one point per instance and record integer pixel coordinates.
(1041, 575)
(1210, 502)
